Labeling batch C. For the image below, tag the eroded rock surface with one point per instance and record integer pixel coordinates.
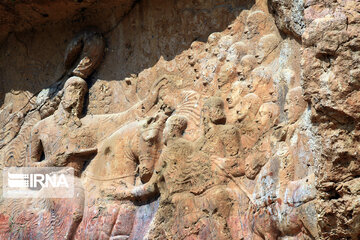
(330, 65)
(184, 119)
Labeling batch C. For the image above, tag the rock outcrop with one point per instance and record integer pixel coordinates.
(183, 119)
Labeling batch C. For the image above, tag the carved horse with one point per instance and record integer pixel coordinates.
(124, 158)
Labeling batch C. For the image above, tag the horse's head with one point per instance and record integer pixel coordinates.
(150, 144)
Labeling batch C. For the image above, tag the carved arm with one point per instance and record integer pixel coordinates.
(151, 99)
(36, 149)
(144, 191)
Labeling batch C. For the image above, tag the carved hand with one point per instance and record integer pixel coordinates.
(82, 152)
(154, 91)
(152, 97)
(124, 194)
(227, 166)
(117, 193)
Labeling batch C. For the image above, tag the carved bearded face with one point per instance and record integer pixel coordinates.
(74, 92)
(226, 73)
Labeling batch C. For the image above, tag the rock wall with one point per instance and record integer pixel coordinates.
(330, 66)
(183, 119)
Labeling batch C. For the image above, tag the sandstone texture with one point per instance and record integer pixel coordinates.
(192, 119)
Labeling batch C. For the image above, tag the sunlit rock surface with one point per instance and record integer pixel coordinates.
(183, 119)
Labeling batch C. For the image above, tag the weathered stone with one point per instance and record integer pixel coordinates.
(289, 16)
(184, 119)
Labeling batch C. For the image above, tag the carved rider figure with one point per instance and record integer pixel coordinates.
(55, 136)
(167, 178)
(221, 141)
(193, 184)
(66, 138)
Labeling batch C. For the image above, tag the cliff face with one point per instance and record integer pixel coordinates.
(183, 119)
(331, 85)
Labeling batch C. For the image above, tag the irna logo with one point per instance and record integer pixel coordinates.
(44, 182)
(36, 180)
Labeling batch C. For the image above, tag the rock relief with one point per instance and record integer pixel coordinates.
(214, 149)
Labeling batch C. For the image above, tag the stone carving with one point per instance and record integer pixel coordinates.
(66, 120)
(130, 154)
(187, 178)
(68, 139)
(220, 139)
(267, 45)
(190, 107)
(267, 117)
(48, 100)
(238, 90)
(236, 52)
(46, 143)
(259, 138)
(89, 48)
(247, 64)
(239, 156)
(167, 179)
(263, 84)
(255, 22)
(248, 109)
(280, 186)
(295, 104)
(227, 73)
(10, 125)
(16, 152)
(14, 133)
(71, 127)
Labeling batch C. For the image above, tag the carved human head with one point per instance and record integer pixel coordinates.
(267, 117)
(266, 45)
(174, 127)
(224, 43)
(74, 92)
(214, 37)
(237, 51)
(295, 104)
(263, 84)
(255, 23)
(238, 89)
(213, 110)
(249, 107)
(247, 64)
(226, 74)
